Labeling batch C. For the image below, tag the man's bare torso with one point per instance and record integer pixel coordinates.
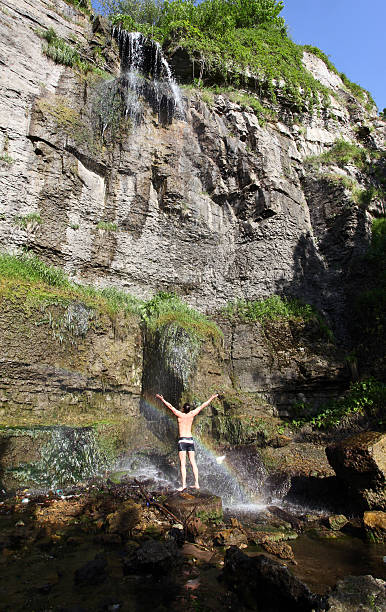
(185, 425)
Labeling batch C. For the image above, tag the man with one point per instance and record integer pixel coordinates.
(185, 440)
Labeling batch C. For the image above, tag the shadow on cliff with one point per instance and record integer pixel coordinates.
(325, 270)
(4, 446)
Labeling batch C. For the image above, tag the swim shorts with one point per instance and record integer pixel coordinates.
(185, 444)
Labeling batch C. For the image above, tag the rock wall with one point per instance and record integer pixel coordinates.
(215, 207)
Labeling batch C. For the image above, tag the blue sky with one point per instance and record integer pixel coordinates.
(350, 32)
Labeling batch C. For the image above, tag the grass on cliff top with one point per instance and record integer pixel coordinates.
(47, 284)
(44, 283)
(166, 309)
(274, 307)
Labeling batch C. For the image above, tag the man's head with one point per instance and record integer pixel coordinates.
(186, 408)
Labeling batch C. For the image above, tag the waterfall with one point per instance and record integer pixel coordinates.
(146, 75)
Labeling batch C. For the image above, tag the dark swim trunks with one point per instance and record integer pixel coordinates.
(185, 444)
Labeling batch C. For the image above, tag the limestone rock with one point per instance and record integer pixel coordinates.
(153, 557)
(231, 537)
(200, 504)
(260, 580)
(358, 594)
(360, 463)
(375, 525)
(125, 518)
(337, 521)
(279, 549)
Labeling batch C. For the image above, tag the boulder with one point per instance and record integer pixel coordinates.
(92, 572)
(358, 594)
(360, 463)
(153, 557)
(125, 518)
(231, 537)
(337, 521)
(375, 525)
(195, 503)
(279, 549)
(261, 581)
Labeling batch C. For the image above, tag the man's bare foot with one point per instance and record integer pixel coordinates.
(181, 488)
(196, 486)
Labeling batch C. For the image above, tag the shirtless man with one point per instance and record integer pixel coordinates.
(185, 440)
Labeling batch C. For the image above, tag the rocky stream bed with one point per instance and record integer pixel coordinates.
(131, 547)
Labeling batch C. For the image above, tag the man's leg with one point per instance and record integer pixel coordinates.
(182, 456)
(192, 459)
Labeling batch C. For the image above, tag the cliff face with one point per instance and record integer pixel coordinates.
(213, 205)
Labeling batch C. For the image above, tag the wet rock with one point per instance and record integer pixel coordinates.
(231, 537)
(337, 521)
(279, 549)
(360, 463)
(92, 572)
(177, 532)
(125, 518)
(270, 533)
(375, 525)
(358, 594)
(153, 557)
(260, 581)
(280, 441)
(196, 527)
(195, 503)
(286, 516)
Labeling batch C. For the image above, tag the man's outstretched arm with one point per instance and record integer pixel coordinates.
(204, 405)
(163, 400)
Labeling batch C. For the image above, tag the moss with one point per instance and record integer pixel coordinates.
(68, 120)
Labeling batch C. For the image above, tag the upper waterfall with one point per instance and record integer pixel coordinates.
(146, 74)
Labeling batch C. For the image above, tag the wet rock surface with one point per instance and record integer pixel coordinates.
(375, 525)
(260, 581)
(360, 465)
(99, 539)
(358, 593)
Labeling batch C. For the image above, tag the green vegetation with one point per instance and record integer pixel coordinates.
(6, 158)
(248, 101)
(364, 397)
(167, 309)
(273, 307)
(341, 154)
(230, 42)
(369, 161)
(31, 268)
(82, 5)
(26, 220)
(107, 226)
(60, 52)
(44, 283)
(47, 284)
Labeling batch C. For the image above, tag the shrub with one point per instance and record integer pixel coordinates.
(364, 397)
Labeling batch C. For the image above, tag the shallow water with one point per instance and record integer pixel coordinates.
(322, 561)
